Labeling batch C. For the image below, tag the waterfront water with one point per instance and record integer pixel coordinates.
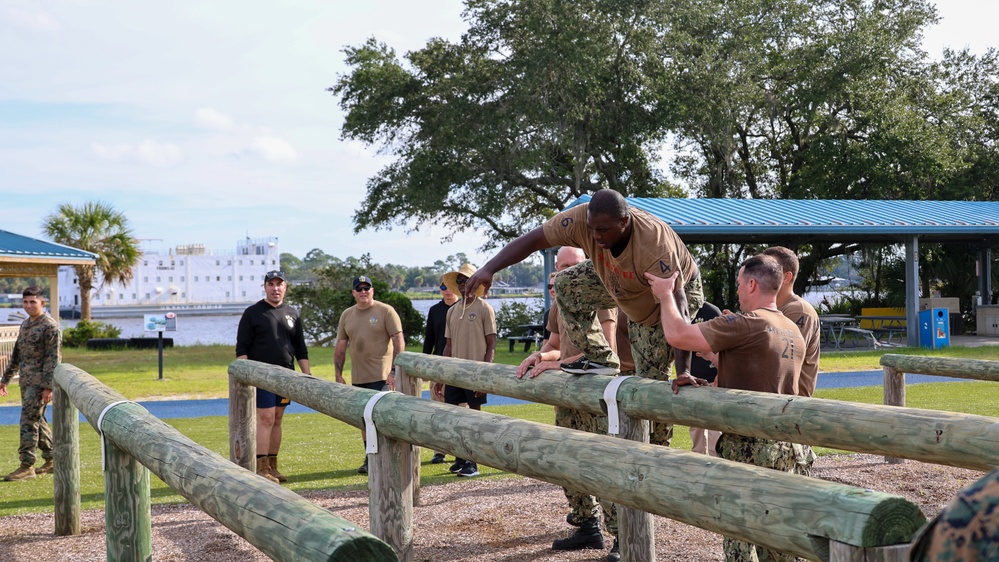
(221, 329)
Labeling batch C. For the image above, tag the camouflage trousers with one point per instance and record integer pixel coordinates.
(580, 293)
(767, 453)
(35, 432)
(804, 456)
(583, 506)
(967, 529)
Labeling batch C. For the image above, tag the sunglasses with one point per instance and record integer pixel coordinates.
(443, 287)
(461, 280)
(362, 289)
(550, 286)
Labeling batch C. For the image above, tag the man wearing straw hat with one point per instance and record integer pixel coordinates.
(470, 333)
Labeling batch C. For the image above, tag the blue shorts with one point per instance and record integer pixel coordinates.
(377, 385)
(267, 399)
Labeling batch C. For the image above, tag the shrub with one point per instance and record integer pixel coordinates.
(512, 314)
(85, 330)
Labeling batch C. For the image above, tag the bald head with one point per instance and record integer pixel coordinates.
(568, 256)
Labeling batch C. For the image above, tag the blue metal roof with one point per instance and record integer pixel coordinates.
(839, 220)
(23, 248)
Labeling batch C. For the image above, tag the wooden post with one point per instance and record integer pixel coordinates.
(894, 396)
(242, 424)
(963, 440)
(390, 505)
(774, 509)
(66, 472)
(279, 522)
(128, 519)
(840, 552)
(636, 535)
(411, 386)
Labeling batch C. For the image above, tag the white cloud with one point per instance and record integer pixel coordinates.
(211, 119)
(33, 19)
(148, 152)
(273, 149)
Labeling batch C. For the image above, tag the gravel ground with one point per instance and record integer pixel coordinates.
(507, 520)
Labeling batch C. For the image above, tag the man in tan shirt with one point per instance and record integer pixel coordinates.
(377, 325)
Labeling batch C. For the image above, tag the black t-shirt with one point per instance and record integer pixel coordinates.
(271, 335)
(700, 367)
(433, 338)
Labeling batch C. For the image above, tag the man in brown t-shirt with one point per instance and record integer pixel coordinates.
(759, 350)
(623, 245)
(377, 325)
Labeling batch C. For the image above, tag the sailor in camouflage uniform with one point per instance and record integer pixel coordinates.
(36, 354)
(967, 529)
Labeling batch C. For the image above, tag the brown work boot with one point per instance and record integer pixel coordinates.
(25, 472)
(263, 469)
(274, 470)
(46, 468)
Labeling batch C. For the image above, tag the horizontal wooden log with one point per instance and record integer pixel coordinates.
(975, 369)
(779, 510)
(948, 438)
(279, 522)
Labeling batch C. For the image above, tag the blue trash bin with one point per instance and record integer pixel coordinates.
(934, 328)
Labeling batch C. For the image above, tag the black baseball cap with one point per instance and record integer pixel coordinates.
(275, 274)
(363, 280)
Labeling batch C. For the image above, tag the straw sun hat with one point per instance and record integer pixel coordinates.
(450, 280)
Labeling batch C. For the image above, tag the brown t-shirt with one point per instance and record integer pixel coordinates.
(760, 350)
(799, 311)
(369, 337)
(467, 327)
(653, 248)
(566, 349)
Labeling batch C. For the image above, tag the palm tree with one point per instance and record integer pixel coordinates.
(95, 227)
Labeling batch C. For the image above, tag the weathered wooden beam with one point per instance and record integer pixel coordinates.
(948, 438)
(127, 514)
(976, 369)
(242, 425)
(279, 522)
(894, 396)
(778, 510)
(66, 472)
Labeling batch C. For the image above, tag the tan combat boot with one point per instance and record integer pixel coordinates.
(46, 468)
(263, 469)
(274, 470)
(25, 472)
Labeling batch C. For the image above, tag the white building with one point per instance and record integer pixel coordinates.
(187, 276)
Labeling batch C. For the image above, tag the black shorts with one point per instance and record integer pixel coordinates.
(377, 385)
(457, 395)
(266, 399)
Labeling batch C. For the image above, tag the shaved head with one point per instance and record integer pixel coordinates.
(568, 256)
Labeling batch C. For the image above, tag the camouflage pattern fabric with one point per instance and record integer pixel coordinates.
(767, 453)
(35, 431)
(580, 293)
(967, 529)
(583, 506)
(804, 457)
(37, 351)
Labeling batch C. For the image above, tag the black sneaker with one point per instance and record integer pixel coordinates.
(470, 469)
(364, 467)
(586, 367)
(458, 464)
(438, 458)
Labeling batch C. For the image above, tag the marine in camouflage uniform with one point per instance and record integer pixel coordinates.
(37, 351)
(967, 529)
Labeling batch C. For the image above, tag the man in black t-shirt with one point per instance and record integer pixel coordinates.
(434, 340)
(704, 440)
(270, 331)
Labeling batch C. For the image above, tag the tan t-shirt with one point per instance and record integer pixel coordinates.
(760, 350)
(467, 328)
(369, 337)
(653, 248)
(799, 311)
(566, 349)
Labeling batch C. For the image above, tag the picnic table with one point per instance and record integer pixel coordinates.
(535, 333)
(886, 326)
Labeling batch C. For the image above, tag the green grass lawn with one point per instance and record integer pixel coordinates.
(319, 452)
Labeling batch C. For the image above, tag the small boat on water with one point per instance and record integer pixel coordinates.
(12, 316)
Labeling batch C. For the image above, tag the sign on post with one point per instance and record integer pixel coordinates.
(166, 322)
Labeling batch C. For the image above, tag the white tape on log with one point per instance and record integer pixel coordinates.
(369, 424)
(610, 397)
(100, 429)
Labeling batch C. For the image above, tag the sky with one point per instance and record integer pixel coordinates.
(209, 122)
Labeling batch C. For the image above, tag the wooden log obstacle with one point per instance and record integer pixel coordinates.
(280, 523)
(896, 366)
(807, 517)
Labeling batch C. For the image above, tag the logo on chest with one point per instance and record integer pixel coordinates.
(290, 322)
(373, 321)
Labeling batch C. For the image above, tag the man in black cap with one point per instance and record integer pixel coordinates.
(270, 331)
(378, 326)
